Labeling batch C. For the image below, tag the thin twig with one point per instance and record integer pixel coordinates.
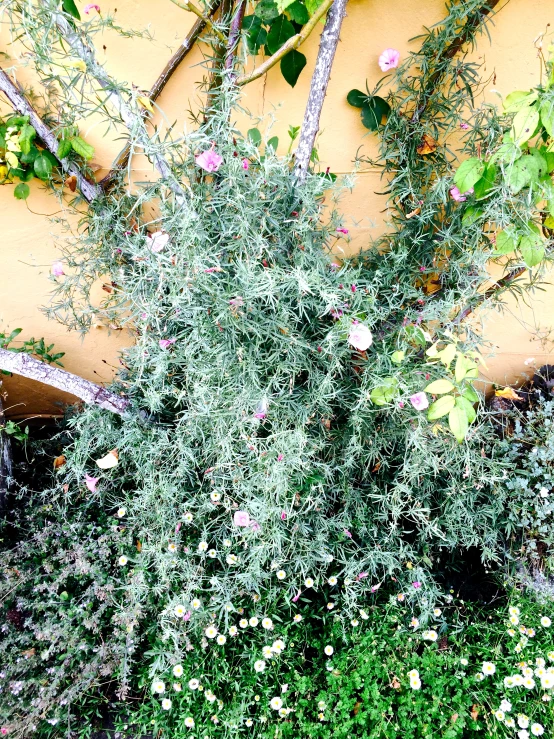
(206, 19)
(234, 34)
(22, 364)
(293, 43)
(318, 87)
(88, 189)
(493, 291)
(6, 466)
(130, 118)
(157, 89)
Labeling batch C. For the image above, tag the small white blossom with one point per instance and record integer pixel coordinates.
(259, 665)
(328, 650)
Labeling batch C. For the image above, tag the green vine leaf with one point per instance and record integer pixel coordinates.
(468, 408)
(267, 10)
(70, 7)
(22, 191)
(373, 112)
(292, 65)
(524, 124)
(356, 98)
(280, 32)
(468, 173)
(81, 147)
(282, 5)
(441, 407)
(64, 148)
(438, 387)
(298, 13)
(42, 167)
(532, 247)
(506, 243)
(384, 393)
(313, 5)
(458, 423)
(547, 113)
(521, 173)
(26, 136)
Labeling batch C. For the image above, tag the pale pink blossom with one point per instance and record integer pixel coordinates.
(464, 126)
(362, 575)
(157, 241)
(57, 269)
(261, 410)
(347, 533)
(209, 160)
(297, 596)
(283, 516)
(360, 337)
(374, 588)
(280, 457)
(187, 616)
(166, 343)
(416, 584)
(91, 6)
(458, 196)
(419, 401)
(254, 525)
(389, 59)
(342, 231)
(178, 527)
(91, 482)
(245, 164)
(3, 731)
(241, 518)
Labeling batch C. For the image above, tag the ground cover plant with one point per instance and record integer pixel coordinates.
(301, 436)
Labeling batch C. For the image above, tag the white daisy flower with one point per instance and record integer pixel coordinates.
(179, 610)
(437, 612)
(196, 604)
(211, 632)
(249, 722)
(166, 704)
(254, 621)
(267, 652)
(546, 622)
(328, 650)
(188, 517)
(171, 547)
(500, 715)
(243, 623)
(231, 559)
(508, 681)
(413, 673)
(488, 668)
(509, 722)
(330, 606)
(505, 706)
(464, 662)
(528, 683)
(415, 683)
(178, 670)
(123, 560)
(513, 611)
(215, 497)
(514, 620)
(522, 721)
(259, 665)
(227, 542)
(308, 582)
(121, 512)
(267, 623)
(209, 696)
(276, 703)
(518, 680)
(540, 662)
(430, 635)
(537, 729)
(547, 681)
(233, 631)
(364, 615)
(212, 554)
(278, 646)
(221, 639)
(354, 622)
(194, 684)
(202, 546)
(281, 574)
(414, 623)
(177, 687)
(332, 580)
(297, 618)
(158, 686)
(189, 722)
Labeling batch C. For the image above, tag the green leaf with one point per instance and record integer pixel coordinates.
(468, 173)
(384, 393)
(282, 5)
(524, 124)
(468, 408)
(507, 153)
(31, 156)
(256, 36)
(64, 147)
(356, 98)
(291, 66)
(273, 143)
(22, 191)
(398, 357)
(254, 136)
(532, 248)
(506, 243)
(280, 32)
(312, 5)
(457, 420)
(438, 387)
(471, 215)
(267, 10)
(26, 136)
(547, 113)
(519, 99)
(541, 161)
(70, 7)
(484, 185)
(441, 407)
(81, 147)
(298, 13)
(470, 394)
(521, 173)
(549, 222)
(549, 156)
(373, 112)
(460, 369)
(42, 167)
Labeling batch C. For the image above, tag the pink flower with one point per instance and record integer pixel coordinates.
(297, 596)
(166, 343)
(280, 457)
(3, 731)
(157, 241)
(187, 616)
(178, 527)
(57, 269)
(245, 163)
(342, 231)
(283, 516)
(209, 160)
(389, 59)
(419, 401)
(464, 126)
(91, 482)
(416, 584)
(458, 196)
(91, 6)
(362, 575)
(360, 337)
(347, 533)
(261, 410)
(353, 288)
(144, 315)
(374, 588)
(255, 526)
(241, 518)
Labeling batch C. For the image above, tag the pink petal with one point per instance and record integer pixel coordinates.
(57, 269)
(241, 518)
(91, 482)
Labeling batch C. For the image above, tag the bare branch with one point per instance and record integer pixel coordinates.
(200, 15)
(6, 466)
(22, 364)
(158, 87)
(130, 118)
(89, 190)
(234, 33)
(292, 43)
(318, 88)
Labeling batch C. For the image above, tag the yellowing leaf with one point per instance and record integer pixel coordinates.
(448, 354)
(110, 460)
(458, 422)
(441, 407)
(508, 393)
(145, 102)
(438, 387)
(12, 160)
(59, 462)
(77, 64)
(428, 145)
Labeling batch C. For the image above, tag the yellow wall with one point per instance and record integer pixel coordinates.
(28, 243)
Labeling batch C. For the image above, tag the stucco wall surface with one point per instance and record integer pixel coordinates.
(509, 60)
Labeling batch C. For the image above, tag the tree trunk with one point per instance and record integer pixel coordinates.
(318, 88)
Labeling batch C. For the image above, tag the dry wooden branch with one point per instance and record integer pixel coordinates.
(205, 18)
(22, 364)
(132, 120)
(89, 190)
(234, 34)
(293, 43)
(157, 89)
(318, 88)
(6, 467)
